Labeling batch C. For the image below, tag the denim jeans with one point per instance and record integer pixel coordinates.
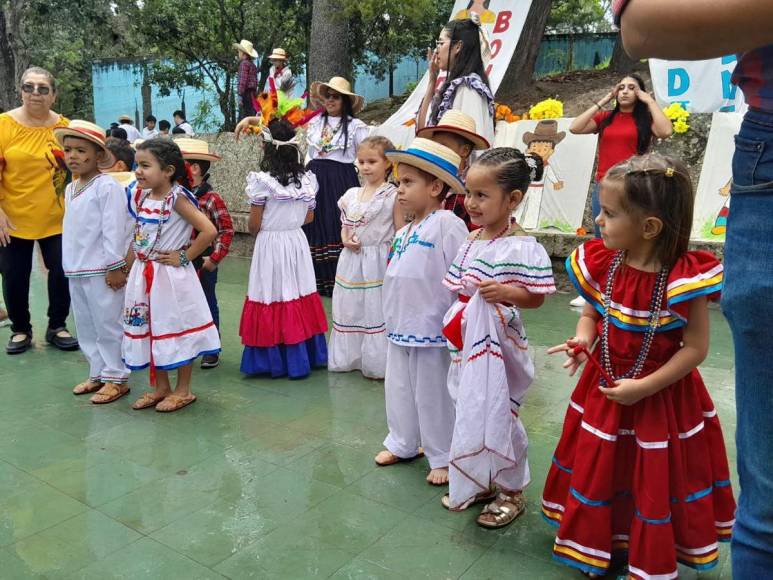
(595, 207)
(208, 284)
(747, 301)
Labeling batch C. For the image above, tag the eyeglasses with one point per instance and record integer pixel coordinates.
(30, 88)
(333, 96)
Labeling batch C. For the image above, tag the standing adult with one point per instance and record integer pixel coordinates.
(649, 29)
(463, 51)
(627, 130)
(182, 124)
(32, 181)
(132, 133)
(248, 77)
(280, 72)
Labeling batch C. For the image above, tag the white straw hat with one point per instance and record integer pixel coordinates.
(339, 85)
(454, 121)
(278, 54)
(246, 47)
(196, 149)
(434, 158)
(89, 132)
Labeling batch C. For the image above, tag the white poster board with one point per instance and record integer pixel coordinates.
(712, 201)
(557, 202)
(701, 86)
(503, 20)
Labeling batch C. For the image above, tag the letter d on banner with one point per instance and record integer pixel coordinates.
(678, 82)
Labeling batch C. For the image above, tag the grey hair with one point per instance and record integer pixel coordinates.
(36, 70)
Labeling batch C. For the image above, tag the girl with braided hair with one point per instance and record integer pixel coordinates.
(497, 272)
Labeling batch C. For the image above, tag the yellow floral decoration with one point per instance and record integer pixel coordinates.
(547, 109)
(678, 116)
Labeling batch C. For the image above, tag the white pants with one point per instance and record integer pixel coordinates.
(419, 409)
(99, 321)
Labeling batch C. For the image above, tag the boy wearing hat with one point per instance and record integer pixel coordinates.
(197, 154)
(132, 133)
(248, 77)
(543, 142)
(420, 413)
(95, 242)
(457, 131)
(280, 72)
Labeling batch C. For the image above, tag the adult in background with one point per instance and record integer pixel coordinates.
(463, 51)
(627, 130)
(150, 131)
(32, 181)
(132, 133)
(182, 123)
(248, 77)
(280, 72)
(657, 28)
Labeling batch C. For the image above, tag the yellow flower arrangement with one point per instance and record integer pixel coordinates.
(547, 109)
(678, 116)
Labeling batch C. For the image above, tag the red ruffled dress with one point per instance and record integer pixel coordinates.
(652, 478)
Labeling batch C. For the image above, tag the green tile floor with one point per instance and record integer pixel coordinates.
(260, 478)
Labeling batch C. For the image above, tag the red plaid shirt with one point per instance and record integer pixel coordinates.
(248, 76)
(215, 209)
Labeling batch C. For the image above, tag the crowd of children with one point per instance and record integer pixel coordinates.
(427, 294)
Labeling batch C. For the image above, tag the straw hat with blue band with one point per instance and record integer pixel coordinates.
(434, 158)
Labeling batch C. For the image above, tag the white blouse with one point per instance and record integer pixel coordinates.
(326, 140)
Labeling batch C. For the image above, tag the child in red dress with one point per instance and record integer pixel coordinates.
(640, 473)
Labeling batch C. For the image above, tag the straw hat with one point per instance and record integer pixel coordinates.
(339, 85)
(126, 118)
(545, 131)
(454, 121)
(278, 54)
(246, 47)
(434, 158)
(136, 143)
(196, 149)
(89, 132)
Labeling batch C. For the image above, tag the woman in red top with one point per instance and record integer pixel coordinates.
(625, 131)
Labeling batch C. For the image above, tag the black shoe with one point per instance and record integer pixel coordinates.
(19, 346)
(210, 361)
(66, 342)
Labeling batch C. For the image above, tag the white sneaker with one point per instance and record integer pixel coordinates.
(578, 302)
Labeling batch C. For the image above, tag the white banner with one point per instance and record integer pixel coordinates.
(702, 86)
(503, 20)
(557, 202)
(712, 201)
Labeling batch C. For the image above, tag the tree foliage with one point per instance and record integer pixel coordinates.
(576, 16)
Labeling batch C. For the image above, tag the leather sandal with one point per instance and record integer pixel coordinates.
(483, 496)
(503, 511)
(177, 403)
(110, 392)
(147, 400)
(87, 387)
(18, 345)
(61, 338)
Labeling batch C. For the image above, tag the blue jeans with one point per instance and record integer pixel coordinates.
(595, 207)
(747, 301)
(208, 284)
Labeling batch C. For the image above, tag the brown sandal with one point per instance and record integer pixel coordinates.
(178, 403)
(504, 510)
(87, 387)
(109, 393)
(146, 401)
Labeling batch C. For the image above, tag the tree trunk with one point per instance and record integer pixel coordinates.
(147, 98)
(520, 73)
(13, 57)
(621, 62)
(329, 46)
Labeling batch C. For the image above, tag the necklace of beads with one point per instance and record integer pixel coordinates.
(654, 321)
(327, 137)
(79, 189)
(161, 221)
(477, 237)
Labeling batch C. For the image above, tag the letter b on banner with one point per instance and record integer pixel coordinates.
(678, 82)
(503, 22)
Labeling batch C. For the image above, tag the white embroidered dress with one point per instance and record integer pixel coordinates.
(491, 372)
(358, 340)
(167, 322)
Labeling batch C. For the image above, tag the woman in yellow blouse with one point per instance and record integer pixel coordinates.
(32, 181)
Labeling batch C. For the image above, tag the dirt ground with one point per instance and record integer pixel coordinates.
(577, 90)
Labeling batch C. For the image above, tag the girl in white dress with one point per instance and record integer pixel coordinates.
(283, 323)
(369, 217)
(497, 272)
(167, 322)
(420, 413)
